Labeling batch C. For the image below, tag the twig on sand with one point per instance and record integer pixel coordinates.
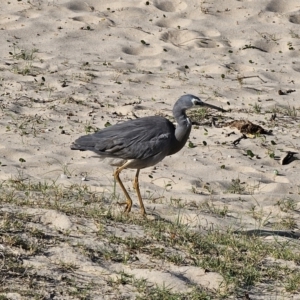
(237, 141)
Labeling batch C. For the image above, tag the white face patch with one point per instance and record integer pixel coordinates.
(195, 101)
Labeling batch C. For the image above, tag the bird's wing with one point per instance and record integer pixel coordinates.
(135, 139)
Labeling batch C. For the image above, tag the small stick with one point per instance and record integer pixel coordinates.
(230, 133)
(237, 141)
(252, 76)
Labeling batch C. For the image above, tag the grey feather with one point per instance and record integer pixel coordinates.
(134, 139)
(145, 141)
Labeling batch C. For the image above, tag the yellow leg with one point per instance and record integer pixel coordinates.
(137, 189)
(128, 202)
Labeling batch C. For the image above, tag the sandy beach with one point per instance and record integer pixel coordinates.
(70, 68)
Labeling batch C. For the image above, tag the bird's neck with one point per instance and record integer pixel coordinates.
(183, 128)
(182, 119)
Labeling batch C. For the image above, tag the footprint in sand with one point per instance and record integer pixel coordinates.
(170, 6)
(78, 6)
(295, 18)
(142, 50)
(188, 39)
(296, 67)
(88, 19)
(173, 23)
(282, 6)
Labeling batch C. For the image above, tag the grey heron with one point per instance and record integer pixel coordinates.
(142, 142)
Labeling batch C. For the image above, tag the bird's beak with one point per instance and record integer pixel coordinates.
(212, 106)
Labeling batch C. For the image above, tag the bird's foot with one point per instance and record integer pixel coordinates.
(123, 203)
(143, 213)
(127, 206)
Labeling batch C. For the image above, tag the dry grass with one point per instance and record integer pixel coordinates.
(244, 260)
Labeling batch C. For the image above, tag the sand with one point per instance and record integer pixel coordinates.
(71, 67)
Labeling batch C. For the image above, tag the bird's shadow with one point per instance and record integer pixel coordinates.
(154, 216)
(262, 232)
